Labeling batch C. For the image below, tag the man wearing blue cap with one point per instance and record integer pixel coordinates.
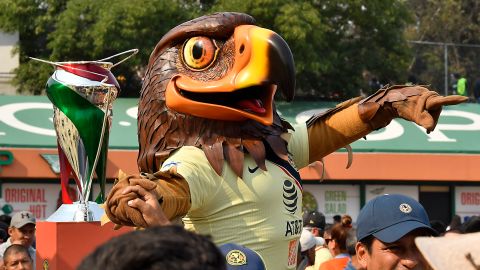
(239, 257)
(386, 230)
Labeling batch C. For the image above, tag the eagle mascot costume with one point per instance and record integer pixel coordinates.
(215, 153)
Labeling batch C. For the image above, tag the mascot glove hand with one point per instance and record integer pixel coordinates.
(117, 208)
(413, 103)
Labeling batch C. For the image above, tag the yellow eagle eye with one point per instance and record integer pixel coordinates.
(199, 52)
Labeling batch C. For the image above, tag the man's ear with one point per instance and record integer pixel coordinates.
(10, 230)
(362, 254)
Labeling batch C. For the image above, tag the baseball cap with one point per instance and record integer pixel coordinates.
(239, 257)
(391, 216)
(22, 218)
(308, 240)
(314, 219)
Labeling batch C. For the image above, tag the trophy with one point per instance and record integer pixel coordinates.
(82, 94)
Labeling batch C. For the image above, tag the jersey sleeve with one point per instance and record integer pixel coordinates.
(202, 180)
(298, 145)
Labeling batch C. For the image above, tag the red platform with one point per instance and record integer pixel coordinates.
(63, 245)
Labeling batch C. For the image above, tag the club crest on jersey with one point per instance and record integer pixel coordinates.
(168, 165)
(236, 257)
(290, 196)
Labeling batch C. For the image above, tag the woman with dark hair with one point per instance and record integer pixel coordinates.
(338, 245)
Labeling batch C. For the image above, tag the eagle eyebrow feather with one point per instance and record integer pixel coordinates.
(218, 25)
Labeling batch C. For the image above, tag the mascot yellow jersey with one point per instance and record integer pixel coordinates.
(262, 211)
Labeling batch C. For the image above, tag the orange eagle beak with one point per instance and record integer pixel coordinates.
(263, 63)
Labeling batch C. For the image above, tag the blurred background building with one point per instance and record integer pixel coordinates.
(439, 169)
(8, 62)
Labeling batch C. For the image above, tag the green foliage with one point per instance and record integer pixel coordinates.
(87, 30)
(337, 45)
(455, 22)
(90, 29)
(33, 20)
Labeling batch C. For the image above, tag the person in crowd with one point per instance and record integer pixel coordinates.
(327, 234)
(159, 247)
(338, 245)
(374, 84)
(455, 223)
(17, 257)
(337, 219)
(314, 221)
(21, 231)
(5, 219)
(3, 232)
(471, 225)
(386, 230)
(239, 257)
(438, 226)
(308, 242)
(353, 263)
(455, 226)
(453, 82)
(3, 235)
(476, 90)
(412, 80)
(462, 86)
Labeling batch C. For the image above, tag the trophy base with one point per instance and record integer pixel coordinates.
(63, 245)
(77, 212)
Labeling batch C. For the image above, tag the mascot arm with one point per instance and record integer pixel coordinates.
(335, 129)
(355, 118)
(170, 189)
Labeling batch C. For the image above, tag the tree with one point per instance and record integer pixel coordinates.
(33, 20)
(87, 30)
(97, 29)
(445, 21)
(336, 42)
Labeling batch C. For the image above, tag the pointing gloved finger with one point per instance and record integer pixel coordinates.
(439, 101)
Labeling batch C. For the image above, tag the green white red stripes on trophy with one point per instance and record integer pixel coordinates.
(87, 119)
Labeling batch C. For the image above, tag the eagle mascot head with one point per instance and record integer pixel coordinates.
(210, 83)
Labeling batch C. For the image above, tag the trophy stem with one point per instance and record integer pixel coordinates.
(100, 145)
(83, 213)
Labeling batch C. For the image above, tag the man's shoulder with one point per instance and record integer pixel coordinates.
(4, 246)
(32, 251)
